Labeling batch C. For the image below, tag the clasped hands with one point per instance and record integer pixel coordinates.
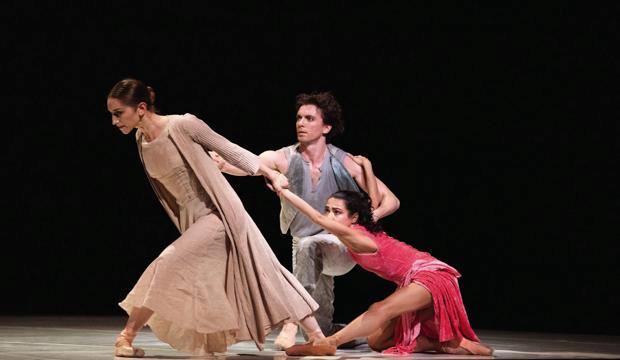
(276, 182)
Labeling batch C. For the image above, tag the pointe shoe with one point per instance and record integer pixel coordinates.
(311, 349)
(286, 337)
(128, 351)
(467, 347)
(123, 348)
(283, 341)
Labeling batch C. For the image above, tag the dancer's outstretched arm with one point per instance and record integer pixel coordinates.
(386, 202)
(272, 159)
(225, 166)
(351, 238)
(369, 179)
(266, 169)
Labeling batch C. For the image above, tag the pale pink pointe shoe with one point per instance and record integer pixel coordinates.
(123, 347)
(286, 337)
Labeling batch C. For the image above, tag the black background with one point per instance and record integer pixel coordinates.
(496, 127)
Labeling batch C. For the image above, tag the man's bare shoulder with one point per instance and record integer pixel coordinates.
(352, 167)
(273, 154)
(276, 159)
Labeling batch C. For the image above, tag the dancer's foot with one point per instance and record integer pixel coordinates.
(316, 335)
(424, 344)
(317, 348)
(466, 347)
(351, 344)
(123, 347)
(286, 337)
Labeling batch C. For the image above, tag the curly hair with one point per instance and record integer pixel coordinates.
(330, 109)
(359, 203)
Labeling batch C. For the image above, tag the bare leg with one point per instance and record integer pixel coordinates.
(411, 298)
(137, 319)
(382, 338)
(373, 322)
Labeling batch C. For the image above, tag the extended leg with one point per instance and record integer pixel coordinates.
(411, 298)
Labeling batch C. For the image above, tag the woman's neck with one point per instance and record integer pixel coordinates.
(152, 125)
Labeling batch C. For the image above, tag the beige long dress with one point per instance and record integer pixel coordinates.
(219, 282)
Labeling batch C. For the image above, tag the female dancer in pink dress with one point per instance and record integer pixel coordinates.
(219, 282)
(425, 313)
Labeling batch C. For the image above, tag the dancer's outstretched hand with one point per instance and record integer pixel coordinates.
(360, 160)
(276, 181)
(218, 159)
(281, 183)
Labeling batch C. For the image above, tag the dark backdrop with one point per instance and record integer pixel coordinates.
(496, 128)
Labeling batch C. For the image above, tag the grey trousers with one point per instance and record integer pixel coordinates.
(316, 260)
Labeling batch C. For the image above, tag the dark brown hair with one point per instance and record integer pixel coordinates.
(330, 108)
(359, 203)
(132, 92)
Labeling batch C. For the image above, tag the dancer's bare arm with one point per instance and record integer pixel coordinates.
(388, 202)
(351, 238)
(369, 179)
(272, 159)
(225, 166)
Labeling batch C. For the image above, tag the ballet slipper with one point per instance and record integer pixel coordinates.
(283, 341)
(123, 348)
(466, 347)
(315, 335)
(316, 348)
(286, 337)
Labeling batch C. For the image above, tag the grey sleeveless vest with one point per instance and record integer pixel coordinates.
(334, 177)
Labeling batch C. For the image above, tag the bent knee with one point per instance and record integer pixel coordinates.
(377, 344)
(381, 309)
(309, 243)
(382, 338)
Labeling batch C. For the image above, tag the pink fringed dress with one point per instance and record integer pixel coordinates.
(403, 264)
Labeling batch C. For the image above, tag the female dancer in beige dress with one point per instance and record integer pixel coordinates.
(219, 282)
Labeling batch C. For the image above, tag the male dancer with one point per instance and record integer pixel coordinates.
(316, 169)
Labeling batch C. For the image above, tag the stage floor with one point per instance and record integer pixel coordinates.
(86, 338)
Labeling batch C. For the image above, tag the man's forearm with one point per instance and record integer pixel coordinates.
(389, 204)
